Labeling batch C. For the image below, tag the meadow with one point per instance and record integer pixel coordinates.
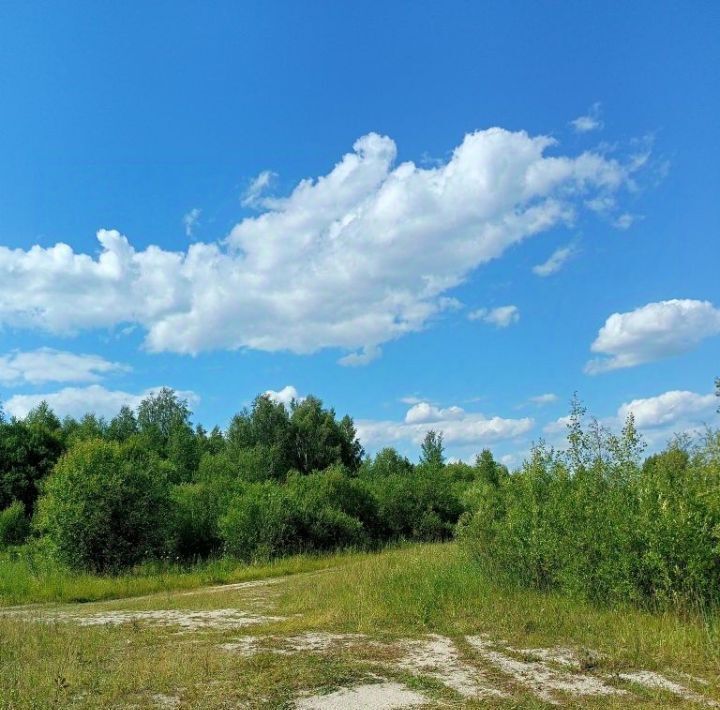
(354, 621)
(147, 563)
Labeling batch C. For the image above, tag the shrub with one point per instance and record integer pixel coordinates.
(594, 523)
(14, 525)
(420, 505)
(260, 523)
(105, 506)
(196, 511)
(333, 510)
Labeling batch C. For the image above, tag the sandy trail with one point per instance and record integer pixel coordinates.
(469, 668)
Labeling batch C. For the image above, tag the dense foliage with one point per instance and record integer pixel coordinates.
(149, 485)
(598, 522)
(595, 520)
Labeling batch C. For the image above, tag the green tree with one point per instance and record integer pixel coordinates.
(105, 507)
(432, 452)
(43, 417)
(123, 425)
(27, 455)
(161, 414)
(488, 469)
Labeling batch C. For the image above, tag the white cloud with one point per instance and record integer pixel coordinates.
(669, 409)
(284, 396)
(424, 412)
(654, 331)
(350, 260)
(556, 427)
(541, 399)
(77, 401)
(190, 220)
(411, 399)
(253, 195)
(555, 262)
(590, 121)
(458, 427)
(363, 357)
(48, 365)
(502, 317)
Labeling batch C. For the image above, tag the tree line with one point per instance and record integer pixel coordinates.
(596, 519)
(147, 485)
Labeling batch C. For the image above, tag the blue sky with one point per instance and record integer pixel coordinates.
(458, 159)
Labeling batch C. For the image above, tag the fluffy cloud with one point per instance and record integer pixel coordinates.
(423, 412)
(657, 418)
(49, 365)
(590, 121)
(653, 331)
(284, 396)
(501, 317)
(76, 401)
(558, 426)
(669, 408)
(555, 262)
(458, 427)
(350, 260)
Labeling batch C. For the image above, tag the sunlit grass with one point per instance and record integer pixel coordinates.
(397, 594)
(38, 579)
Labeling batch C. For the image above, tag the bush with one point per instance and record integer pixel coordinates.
(260, 523)
(105, 506)
(333, 510)
(595, 523)
(417, 505)
(679, 524)
(196, 512)
(14, 525)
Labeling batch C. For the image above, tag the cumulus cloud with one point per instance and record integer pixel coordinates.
(424, 412)
(351, 260)
(668, 409)
(502, 317)
(458, 427)
(77, 401)
(190, 221)
(555, 262)
(652, 332)
(658, 418)
(590, 121)
(284, 396)
(48, 365)
(557, 426)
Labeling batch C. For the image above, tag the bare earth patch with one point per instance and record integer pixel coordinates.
(539, 677)
(187, 620)
(659, 682)
(375, 696)
(438, 658)
(552, 674)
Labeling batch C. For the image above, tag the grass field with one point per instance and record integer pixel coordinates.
(410, 624)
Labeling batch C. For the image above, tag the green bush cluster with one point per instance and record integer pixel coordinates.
(104, 496)
(597, 522)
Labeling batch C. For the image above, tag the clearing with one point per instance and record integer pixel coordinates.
(406, 628)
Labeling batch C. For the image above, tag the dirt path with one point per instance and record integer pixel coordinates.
(393, 672)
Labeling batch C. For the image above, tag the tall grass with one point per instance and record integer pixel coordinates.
(33, 577)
